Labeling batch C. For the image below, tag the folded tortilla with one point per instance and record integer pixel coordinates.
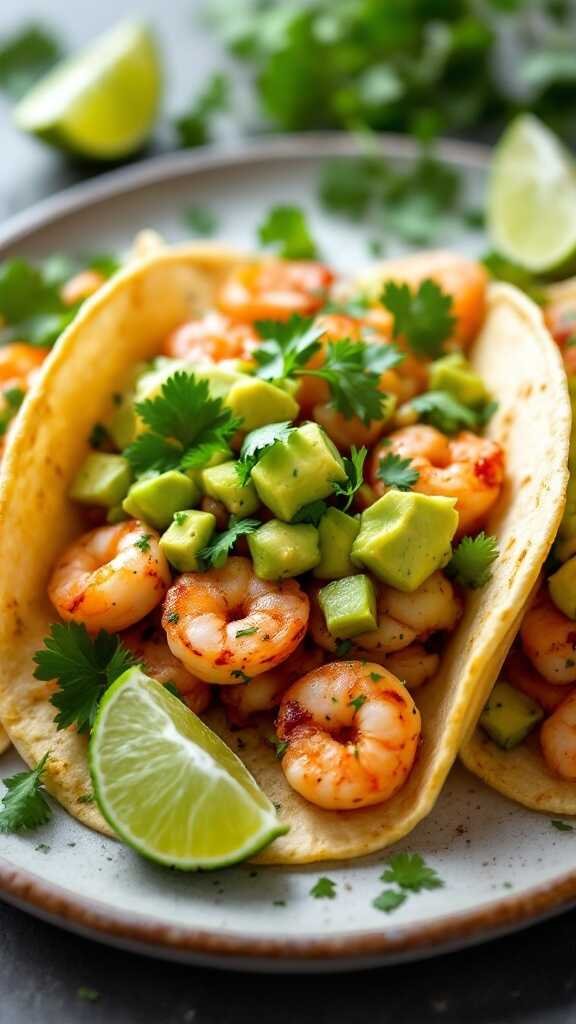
(124, 323)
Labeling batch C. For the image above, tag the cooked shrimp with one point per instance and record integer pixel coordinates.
(274, 290)
(560, 318)
(226, 625)
(413, 665)
(352, 732)
(110, 578)
(147, 641)
(264, 692)
(558, 739)
(468, 468)
(549, 640)
(213, 338)
(81, 286)
(520, 673)
(19, 363)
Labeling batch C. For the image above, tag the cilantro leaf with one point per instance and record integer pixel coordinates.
(256, 443)
(23, 805)
(562, 826)
(389, 900)
(348, 186)
(83, 667)
(201, 220)
(394, 471)
(311, 513)
(471, 562)
(354, 467)
(410, 871)
(25, 57)
(286, 346)
(193, 128)
(186, 424)
(424, 317)
(445, 412)
(324, 889)
(352, 371)
(287, 229)
(357, 702)
(215, 554)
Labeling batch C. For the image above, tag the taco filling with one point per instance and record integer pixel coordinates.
(301, 519)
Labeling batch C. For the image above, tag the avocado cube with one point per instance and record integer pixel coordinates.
(223, 483)
(337, 532)
(509, 715)
(257, 402)
(454, 373)
(155, 499)
(349, 606)
(188, 534)
(123, 426)
(301, 469)
(102, 479)
(562, 587)
(281, 550)
(405, 536)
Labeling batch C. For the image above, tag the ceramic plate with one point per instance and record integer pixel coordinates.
(502, 866)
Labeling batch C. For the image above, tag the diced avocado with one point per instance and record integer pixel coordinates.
(349, 606)
(257, 402)
(124, 424)
(405, 536)
(280, 550)
(337, 532)
(223, 483)
(564, 548)
(189, 533)
(562, 587)
(102, 479)
(509, 715)
(454, 373)
(225, 455)
(155, 499)
(298, 470)
(220, 378)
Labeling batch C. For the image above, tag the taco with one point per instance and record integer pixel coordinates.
(523, 746)
(369, 586)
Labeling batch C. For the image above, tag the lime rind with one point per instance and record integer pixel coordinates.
(169, 786)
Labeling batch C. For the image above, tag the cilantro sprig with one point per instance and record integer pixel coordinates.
(354, 467)
(445, 412)
(423, 317)
(471, 562)
(25, 57)
(286, 228)
(286, 346)
(84, 667)
(256, 443)
(324, 889)
(410, 871)
(186, 426)
(24, 806)
(214, 555)
(352, 371)
(394, 471)
(311, 513)
(194, 126)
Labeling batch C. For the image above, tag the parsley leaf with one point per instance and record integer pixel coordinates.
(24, 805)
(410, 871)
(25, 57)
(424, 317)
(354, 467)
(445, 412)
(389, 900)
(193, 128)
(187, 426)
(83, 667)
(562, 826)
(216, 553)
(201, 220)
(352, 371)
(357, 702)
(324, 889)
(256, 443)
(286, 346)
(394, 471)
(471, 562)
(311, 513)
(287, 229)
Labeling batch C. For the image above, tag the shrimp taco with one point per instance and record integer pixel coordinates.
(525, 743)
(317, 514)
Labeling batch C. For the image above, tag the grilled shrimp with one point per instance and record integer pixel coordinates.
(264, 692)
(549, 640)
(226, 625)
(81, 286)
(352, 732)
(110, 578)
(558, 739)
(147, 641)
(274, 290)
(213, 338)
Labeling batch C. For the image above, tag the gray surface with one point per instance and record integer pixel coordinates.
(528, 977)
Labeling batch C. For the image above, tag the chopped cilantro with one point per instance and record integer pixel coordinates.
(562, 826)
(215, 554)
(83, 667)
(201, 220)
(352, 371)
(247, 632)
(239, 674)
(394, 471)
(25, 57)
(256, 443)
(410, 871)
(286, 229)
(375, 676)
(348, 186)
(357, 702)
(311, 513)
(389, 900)
(442, 410)
(193, 128)
(186, 426)
(423, 317)
(354, 467)
(286, 346)
(324, 889)
(280, 747)
(23, 805)
(173, 617)
(42, 848)
(471, 562)
(143, 542)
(343, 647)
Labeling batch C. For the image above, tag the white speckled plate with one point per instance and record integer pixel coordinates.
(502, 866)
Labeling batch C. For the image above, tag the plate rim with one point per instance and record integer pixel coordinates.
(146, 933)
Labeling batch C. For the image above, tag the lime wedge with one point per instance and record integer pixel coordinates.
(169, 786)
(532, 198)
(101, 103)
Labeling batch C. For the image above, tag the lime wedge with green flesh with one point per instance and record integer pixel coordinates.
(101, 103)
(169, 786)
(532, 198)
